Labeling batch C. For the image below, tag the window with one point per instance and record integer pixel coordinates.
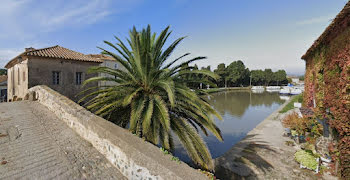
(56, 77)
(24, 76)
(78, 78)
(19, 78)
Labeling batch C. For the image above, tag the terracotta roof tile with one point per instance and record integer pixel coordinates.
(55, 52)
(344, 13)
(101, 57)
(61, 53)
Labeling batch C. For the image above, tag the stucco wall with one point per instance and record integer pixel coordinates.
(134, 157)
(40, 73)
(113, 65)
(18, 80)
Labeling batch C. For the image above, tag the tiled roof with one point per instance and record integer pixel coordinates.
(55, 52)
(3, 78)
(344, 13)
(101, 56)
(60, 52)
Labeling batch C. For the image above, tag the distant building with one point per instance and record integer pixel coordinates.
(327, 83)
(295, 80)
(3, 88)
(109, 62)
(59, 68)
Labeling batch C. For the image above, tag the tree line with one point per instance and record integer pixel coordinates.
(237, 74)
(3, 72)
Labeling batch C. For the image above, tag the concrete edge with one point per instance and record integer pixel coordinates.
(242, 144)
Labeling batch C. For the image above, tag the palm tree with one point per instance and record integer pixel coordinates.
(151, 97)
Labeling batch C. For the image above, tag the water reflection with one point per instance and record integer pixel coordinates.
(241, 112)
(236, 103)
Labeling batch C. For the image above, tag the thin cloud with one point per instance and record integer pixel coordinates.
(87, 13)
(316, 20)
(7, 54)
(26, 19)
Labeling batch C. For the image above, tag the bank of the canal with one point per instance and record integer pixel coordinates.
(241, 111)
(215, 90)
(262, 154)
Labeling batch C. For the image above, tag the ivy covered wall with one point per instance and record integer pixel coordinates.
(327, 84)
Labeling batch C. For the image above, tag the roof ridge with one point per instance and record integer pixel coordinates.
(56, 52)
(340, 16)
(41, 49)
(71, 50)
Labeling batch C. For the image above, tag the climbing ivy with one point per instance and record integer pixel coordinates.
(327, 80)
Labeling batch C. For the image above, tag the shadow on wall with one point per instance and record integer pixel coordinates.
(243, 160)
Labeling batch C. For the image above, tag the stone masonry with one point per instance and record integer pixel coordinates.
(132, 156)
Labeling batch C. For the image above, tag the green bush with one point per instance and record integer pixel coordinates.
(306, 158)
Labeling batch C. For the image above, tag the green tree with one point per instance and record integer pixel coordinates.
(152, 96)
(3, 72)
(194, 78)
(280, 76)
(269, 76)
(222, 72)
(206, 78)
(238, 74)
(258, 77)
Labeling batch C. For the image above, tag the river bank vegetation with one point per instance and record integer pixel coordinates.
(3, 71)
(237, 74)
(290, 105)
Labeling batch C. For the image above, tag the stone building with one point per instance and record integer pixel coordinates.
(327, 82)
(3, 88)
(59, 68)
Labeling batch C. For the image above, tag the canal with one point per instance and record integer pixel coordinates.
(241, 111)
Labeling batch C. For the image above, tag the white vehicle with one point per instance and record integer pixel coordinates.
(295, 91)
(258, 91)
(285, 90)
(258, 88)
(284, 98)
(300, 87)
(273, 88)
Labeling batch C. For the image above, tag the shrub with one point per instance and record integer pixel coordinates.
(306, 158)
(294, 122)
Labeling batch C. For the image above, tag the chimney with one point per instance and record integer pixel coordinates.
(29, 49)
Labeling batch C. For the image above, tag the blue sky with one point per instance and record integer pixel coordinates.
(264, 34)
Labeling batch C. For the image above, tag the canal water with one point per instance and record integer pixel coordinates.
(241, 111)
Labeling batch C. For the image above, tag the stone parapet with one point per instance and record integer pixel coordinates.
(134, 157)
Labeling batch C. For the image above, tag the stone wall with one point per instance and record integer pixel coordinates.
(134, 157)
(40, 73)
